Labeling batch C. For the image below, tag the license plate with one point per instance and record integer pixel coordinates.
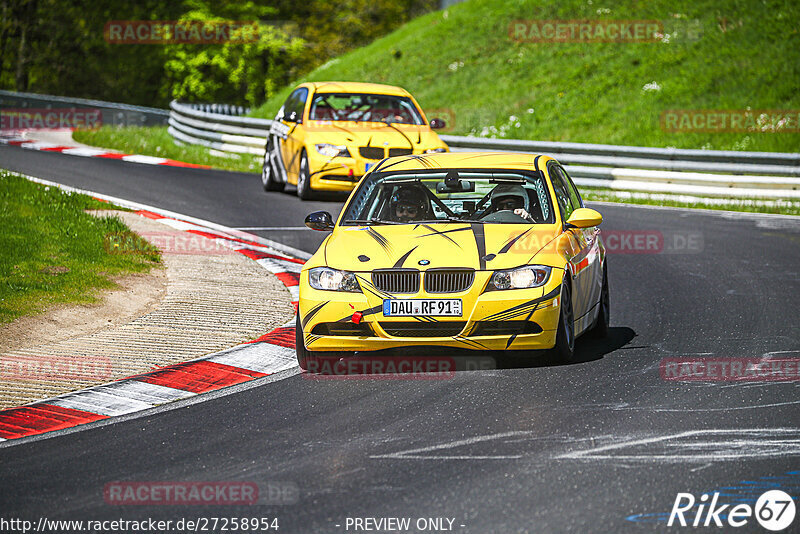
(420, 307)
(368, 166)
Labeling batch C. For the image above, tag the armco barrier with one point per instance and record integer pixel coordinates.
(664, 170)
(641, 152)
(112, 114)
(228, 133)
(712, 173)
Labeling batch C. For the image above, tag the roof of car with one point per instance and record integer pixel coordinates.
(357, 87)
(466, 160)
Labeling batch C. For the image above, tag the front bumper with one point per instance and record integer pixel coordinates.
(520, 319)
(339, 173)
(336, 174)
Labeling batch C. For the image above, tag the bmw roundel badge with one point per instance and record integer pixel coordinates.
(423, 262)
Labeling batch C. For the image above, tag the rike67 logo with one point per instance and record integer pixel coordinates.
(774, 510)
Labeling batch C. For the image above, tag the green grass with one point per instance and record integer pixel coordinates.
(52, 252)
(750, 205)
(463, 61)
(156, 141)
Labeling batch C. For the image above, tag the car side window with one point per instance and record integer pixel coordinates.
(563, 197)
(287, 106)
(300, 102)
(574, 194)
(295, 104)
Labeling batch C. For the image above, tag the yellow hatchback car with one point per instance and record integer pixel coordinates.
(477, 251)
(327, 135)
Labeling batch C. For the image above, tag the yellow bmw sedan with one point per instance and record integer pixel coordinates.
(328, 134)
(476, 251)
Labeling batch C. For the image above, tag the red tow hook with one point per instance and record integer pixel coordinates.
(357, 316)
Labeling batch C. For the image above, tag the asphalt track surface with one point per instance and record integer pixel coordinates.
(603, 445)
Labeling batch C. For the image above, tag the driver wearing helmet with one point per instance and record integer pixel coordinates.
(408, 204)
(511, 197)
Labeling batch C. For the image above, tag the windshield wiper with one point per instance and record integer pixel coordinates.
(370, 222)
(448, 219)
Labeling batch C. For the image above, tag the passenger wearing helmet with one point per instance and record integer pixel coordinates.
(409, 204)
(511, 197)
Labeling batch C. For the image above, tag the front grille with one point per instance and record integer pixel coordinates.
(371, 152)
(400, 152)
(418, 329)
(342, 329)
(396, 281)
(504, 328)
(448, 281)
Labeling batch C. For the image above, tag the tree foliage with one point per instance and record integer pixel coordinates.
(239, 71)
(58, 47)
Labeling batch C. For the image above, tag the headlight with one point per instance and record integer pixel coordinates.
(524, 277)
(432, 150)
(332, 151)
(333, 280)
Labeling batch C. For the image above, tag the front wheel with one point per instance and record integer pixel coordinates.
(304, 356)
(601, 326)
(565, 337)
(269, 176)
(304, 190)
(314, 361)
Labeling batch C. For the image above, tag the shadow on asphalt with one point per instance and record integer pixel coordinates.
(441, 359)
(587, 349)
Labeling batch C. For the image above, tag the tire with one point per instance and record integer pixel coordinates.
(601, 325)
(304, 191)
(309, 359)
(268, 173)
(304, 356)
(564, 349)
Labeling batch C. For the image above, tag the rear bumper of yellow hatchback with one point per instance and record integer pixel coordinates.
(521, 319)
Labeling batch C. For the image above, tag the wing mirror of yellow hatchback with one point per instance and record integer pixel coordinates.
(584, 218)
(320, 220)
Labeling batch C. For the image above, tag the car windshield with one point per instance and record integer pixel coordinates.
(364, 108)
(474, 196)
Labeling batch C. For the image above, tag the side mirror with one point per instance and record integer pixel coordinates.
(584, 218)
(320, 220)
(438, 124)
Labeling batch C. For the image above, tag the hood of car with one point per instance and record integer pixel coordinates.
(439, 245)
(373, 134)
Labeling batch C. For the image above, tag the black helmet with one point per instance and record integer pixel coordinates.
(409, 195)
(409, 203)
